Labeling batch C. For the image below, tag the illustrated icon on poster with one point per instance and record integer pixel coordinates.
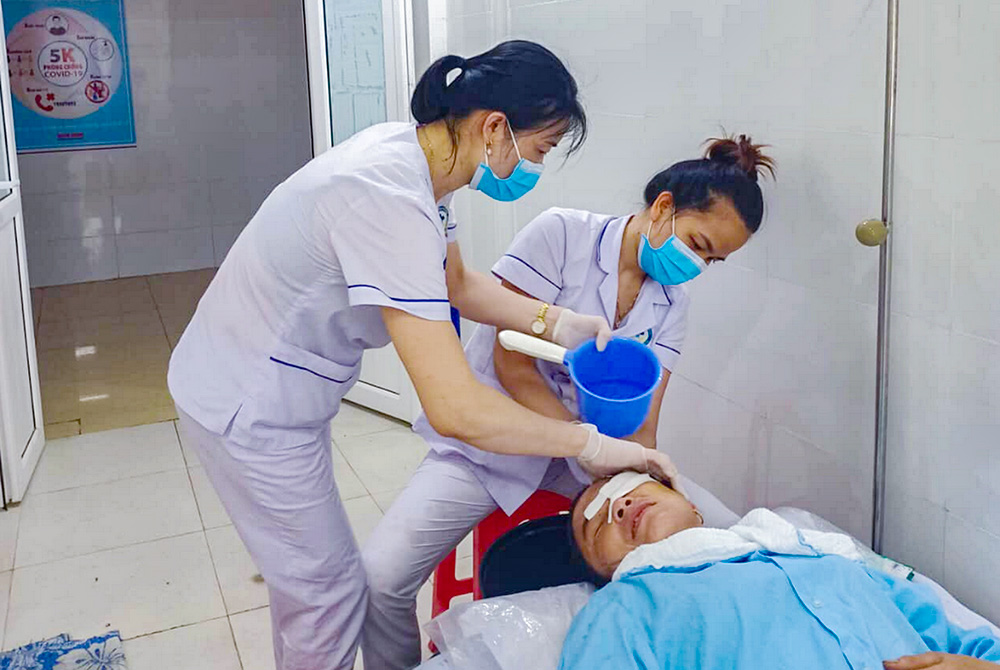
(73, 64)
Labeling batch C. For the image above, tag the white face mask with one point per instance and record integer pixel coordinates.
(617, 487)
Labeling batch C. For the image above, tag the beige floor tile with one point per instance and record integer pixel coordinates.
(354, 421)
(242, 588)
(253, 639)
(202, 646)
(10, 521)
(384, 461)
(57, 431)
(5, 578)
(87, 519)
(138, 590)
(95, 422)
(137, 358)
(112, 329)
(213, 514)
(174, 335)
(107, 456)
(116, 296)
(179, 292)
(103, 404)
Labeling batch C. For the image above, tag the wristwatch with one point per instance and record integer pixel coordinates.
(538, 326)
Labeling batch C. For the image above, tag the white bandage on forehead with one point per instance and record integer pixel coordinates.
(620, 485)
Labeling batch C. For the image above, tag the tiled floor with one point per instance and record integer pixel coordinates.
(103, 349)
(121, 530)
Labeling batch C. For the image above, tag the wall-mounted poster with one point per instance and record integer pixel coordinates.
(68, 68)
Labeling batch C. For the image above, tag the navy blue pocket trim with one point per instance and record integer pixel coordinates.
(312, 372)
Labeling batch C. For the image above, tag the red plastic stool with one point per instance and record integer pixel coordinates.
(447, 586)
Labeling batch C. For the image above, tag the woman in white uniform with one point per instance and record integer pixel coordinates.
(627, 269)
(347, 254)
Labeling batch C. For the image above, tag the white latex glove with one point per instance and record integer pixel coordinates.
(605, 456)
(574, 329)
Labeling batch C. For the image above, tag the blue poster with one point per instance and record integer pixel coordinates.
(69, 75)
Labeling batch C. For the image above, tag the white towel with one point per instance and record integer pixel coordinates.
(760, 530)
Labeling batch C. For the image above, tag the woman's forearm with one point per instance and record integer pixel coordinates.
(457, 405)
(481, 299)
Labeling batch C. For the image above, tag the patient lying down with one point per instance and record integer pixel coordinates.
(761, 594)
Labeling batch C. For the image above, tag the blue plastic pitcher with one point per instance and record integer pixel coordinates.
(614, 387)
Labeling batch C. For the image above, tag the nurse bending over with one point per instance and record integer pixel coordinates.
(627, 269)
(350, 252)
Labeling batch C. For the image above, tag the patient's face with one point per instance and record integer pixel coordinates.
(650, 513)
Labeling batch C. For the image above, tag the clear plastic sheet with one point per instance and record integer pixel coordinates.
(516, 632)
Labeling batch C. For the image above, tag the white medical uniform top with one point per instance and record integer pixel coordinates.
(568, 258)
(277, 338)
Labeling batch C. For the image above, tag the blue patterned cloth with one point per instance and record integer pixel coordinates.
(104, 652)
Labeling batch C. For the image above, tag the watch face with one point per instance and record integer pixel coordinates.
(538, 327)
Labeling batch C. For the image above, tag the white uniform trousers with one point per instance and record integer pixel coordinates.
(286, 508)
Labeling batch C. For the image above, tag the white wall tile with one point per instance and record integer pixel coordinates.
(56, 216)
(915, 531)
(923, 218)
(174, 207)
(968, 458)
(977, 92)
(727, 304)
(61, 172)
(711, 439)
(918, 439)
(802, 475)
(223, 238)
(970, 557)
(170, 251)
(828, 183)
(977, 237)
(601, 44)
(220, 93)
(929, 92)
(71, 261)
(811, 362)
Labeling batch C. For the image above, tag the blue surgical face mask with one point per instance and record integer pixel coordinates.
(521, 180)
(671, 263)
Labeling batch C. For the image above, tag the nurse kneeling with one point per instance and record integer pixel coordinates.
(350, 252)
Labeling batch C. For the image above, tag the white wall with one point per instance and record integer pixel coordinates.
(944, 405)
(222, 115)
(773, 402)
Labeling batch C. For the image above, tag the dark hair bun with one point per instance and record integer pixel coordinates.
(430, 97)
(742, 153)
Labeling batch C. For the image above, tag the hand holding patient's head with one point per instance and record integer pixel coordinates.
(647, 513)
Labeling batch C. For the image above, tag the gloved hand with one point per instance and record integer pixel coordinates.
(605, 456)
(572, 330)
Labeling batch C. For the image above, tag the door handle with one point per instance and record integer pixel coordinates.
(872, 232)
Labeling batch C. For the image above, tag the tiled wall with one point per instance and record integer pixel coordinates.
(944, 407)
(222, 115)
(774, 400)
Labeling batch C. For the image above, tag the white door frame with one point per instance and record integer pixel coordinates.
(400, 402)
(18, 460)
